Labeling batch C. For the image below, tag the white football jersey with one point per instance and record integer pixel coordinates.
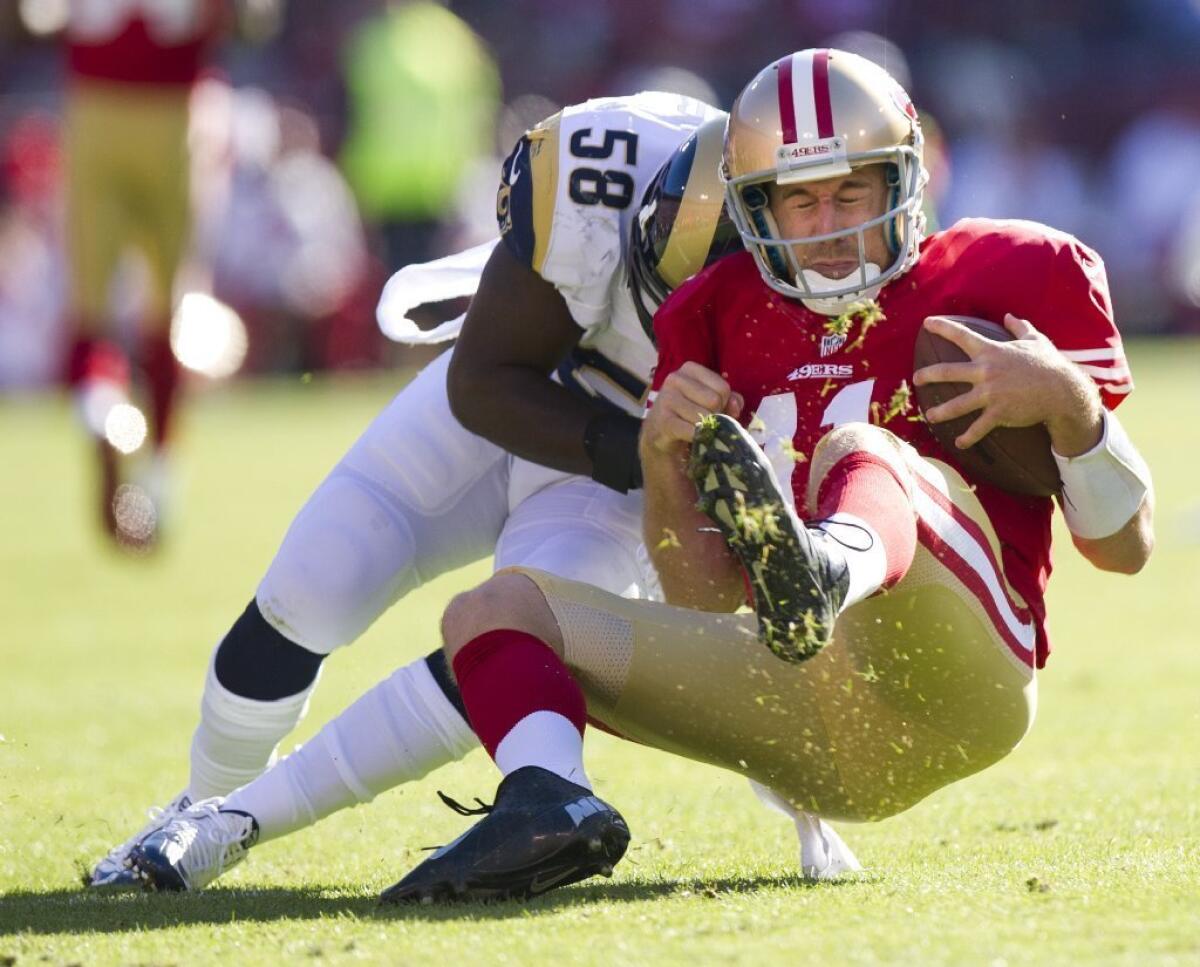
(569, 192)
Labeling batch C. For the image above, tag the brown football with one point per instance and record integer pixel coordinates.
(1016, 459)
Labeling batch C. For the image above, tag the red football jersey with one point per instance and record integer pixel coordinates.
(798, 376)
(141, 41)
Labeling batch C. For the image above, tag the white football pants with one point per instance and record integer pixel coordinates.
(415, 496)
(418, 495)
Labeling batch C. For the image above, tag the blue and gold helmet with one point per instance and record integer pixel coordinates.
(682, 225)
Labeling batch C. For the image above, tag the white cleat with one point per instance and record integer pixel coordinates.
(195, 847)
(114, 871)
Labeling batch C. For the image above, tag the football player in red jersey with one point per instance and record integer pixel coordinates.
(904, 596)
(130, 68)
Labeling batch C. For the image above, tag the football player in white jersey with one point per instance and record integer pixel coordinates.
(522, 441)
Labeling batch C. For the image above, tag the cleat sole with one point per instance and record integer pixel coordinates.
(750, 512)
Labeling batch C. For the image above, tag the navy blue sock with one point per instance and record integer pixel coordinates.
(256, 661)
(440, 670)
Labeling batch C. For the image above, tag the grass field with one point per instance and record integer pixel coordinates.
(1082, 846)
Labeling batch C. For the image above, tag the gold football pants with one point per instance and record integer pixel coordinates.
(127, 184)
(922, 685)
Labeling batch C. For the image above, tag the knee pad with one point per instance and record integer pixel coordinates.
(256, 661)
(850, 438)
(347, 556)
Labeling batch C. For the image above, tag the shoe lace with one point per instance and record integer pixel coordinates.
(483, 810)
(827, 522)
(158, 816)
(209, 842)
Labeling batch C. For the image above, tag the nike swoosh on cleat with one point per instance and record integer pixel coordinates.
(539, 885)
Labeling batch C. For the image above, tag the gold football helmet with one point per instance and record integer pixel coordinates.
(812, 115)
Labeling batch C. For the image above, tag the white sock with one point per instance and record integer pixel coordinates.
(236, 738)
(397, 732)
(856, 541)
(545, 739)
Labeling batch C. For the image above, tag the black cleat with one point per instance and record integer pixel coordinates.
(543, 832)
(798, 587)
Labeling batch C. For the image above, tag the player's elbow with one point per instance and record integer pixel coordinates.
(464, 390)
(1122, 564)
(1126, 552)
(1135, 557)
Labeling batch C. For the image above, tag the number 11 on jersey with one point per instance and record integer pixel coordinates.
(778, 416)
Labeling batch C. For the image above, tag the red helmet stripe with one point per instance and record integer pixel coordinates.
(787, 105)
(821, 97)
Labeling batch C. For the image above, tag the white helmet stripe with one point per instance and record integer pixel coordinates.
(802, 94)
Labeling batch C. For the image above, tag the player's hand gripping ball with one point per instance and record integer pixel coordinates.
(1016, 459)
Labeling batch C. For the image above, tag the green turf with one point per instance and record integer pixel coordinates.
(1081, 847)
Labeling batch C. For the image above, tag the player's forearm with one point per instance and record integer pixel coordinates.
(1076, 417)
(1126, 551)
(693, 562)
(524, 412)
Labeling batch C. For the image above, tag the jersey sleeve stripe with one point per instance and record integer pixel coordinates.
(514, 203)
(544, 162)
(686, 251)
(1107, 372)
(1093, 355)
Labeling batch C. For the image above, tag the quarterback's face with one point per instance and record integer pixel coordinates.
(830, 205)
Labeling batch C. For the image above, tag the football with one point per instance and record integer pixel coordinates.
(1016, 459)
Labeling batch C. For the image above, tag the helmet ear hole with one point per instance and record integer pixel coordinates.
(755, 197)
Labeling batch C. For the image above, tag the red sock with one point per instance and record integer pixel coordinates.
(162, 381)
(506, 675)
(865, 486)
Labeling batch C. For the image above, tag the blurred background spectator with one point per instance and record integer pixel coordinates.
(333, 142)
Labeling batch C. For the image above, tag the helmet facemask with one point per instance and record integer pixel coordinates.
(902, 222)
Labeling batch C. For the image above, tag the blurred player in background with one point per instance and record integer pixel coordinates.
(131, 67)
(424, 93)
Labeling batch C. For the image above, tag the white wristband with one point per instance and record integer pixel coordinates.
(1103, 488)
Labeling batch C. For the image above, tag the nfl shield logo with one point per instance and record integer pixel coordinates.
(831, 343)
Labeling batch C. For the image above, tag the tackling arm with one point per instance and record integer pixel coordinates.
(517, 330)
